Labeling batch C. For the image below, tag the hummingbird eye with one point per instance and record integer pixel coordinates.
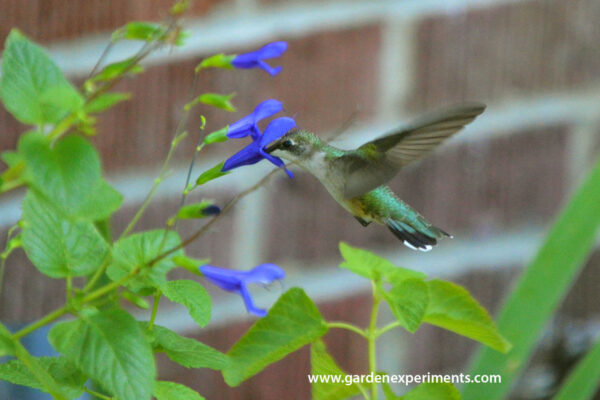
(287, 144)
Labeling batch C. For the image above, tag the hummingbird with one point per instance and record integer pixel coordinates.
(356, 178)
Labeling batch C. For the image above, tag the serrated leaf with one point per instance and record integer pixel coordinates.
(293, 321)
(210, 174)
(198, 210)
(185, 351)
(408, 301)
(323, 364)
(106, 101)
(32, 87)
(109, 347)
(164, 390)
(65, 374)
(68, 175)
(373, 267)
(430, 391)
(138, 250)
(57, 246)
(192, 296)
(221, 101)
(452, 307)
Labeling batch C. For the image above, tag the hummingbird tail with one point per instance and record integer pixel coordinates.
(414, 238)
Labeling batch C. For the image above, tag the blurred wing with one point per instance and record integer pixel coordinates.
(377, 161)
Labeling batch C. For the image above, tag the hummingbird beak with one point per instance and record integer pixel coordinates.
(272, 146)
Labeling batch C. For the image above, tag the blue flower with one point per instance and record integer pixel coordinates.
(237, 281)
(255, 151)
(248, 126)
(254, 59)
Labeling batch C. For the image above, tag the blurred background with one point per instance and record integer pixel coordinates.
(376, 63)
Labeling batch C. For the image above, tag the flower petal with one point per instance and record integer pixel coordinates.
(247, 156)
(274, 49)
(273, 71)
(276, 129)
(263, 273)
(226, 279)
(266, 109)
(250, 307)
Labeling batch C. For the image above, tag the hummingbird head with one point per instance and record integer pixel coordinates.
(296, 145)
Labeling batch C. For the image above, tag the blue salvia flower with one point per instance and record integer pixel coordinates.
(254, 59)
(255, 151)
(248, 126)
(237, 281)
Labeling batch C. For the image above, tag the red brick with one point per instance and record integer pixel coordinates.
(48, 20)
(508, 50)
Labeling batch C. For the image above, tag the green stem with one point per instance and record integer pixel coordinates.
(350, 327)
(386, 328)
(96, 394)
(69, 288)
(372, 338)
(42, 322)
(157, 297)
(150, 196)
(96, 276)
(110, 287)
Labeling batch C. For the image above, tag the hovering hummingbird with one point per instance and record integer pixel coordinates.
(356, 178)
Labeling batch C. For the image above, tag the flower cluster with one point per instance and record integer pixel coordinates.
(237, 281)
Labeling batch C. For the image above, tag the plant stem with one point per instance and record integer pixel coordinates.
(157, 297)
(372, 338)
(69, 283)
(347, 326)
(386, 328)
(96, 276)
(150, 195)
(54, 315)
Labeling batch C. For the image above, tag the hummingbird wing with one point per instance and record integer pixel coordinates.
(376, 162)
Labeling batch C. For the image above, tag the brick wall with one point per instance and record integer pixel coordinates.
(534, 62)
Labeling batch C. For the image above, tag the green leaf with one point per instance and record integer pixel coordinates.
(292, 322)
(430, 391)
(57, 246)
(373, 267)
(217, 61)
(541, 288)
(213, 173)
(193, 296)
(68, 175)
(221, 101)
(164, 390)
(106, 101)
(408, 301)
(65, 374)
(323, 364)
(110, 347)
(145, 31)
(452, 307)
(583, 382)
(198, 210)
(185, 351)
(136, 251)
(217, 136)
(32, 87)
(111, 71)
